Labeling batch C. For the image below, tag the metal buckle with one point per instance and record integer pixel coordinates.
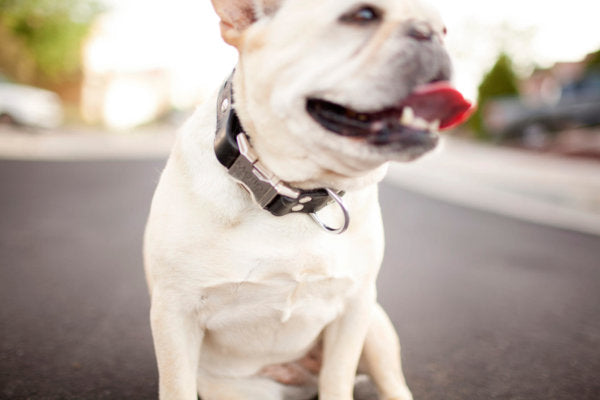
(340, 203)
(262, 184)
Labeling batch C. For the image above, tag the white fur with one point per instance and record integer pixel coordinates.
(235, 289)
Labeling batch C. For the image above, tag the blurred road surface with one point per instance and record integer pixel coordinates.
(545, 189)
(487, 307)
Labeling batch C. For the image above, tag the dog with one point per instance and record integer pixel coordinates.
(265, 235)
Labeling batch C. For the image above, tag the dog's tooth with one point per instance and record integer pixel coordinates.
(435, 126)
(420, 123)
(408, 116)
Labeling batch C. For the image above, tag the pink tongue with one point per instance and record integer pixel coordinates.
(440, 101)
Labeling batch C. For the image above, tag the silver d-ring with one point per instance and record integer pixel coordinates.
(340, 203)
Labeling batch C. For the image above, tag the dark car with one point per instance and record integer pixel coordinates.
(578, 106)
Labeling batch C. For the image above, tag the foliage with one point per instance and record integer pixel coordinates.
(500, 81)
(46, 35)
(593, 62)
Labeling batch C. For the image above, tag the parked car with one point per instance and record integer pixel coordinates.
(29, 106)
(578, 106)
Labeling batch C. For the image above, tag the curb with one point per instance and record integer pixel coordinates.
(79, 144)
(544, 189)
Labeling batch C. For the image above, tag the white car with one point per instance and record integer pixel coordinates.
(29, 106)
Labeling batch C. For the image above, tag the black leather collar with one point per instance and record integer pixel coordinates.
(234, 152)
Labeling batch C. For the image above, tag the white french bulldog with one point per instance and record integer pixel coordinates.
(251, 297)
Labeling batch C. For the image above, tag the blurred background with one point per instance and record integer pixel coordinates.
(122, 64)
(492, 267)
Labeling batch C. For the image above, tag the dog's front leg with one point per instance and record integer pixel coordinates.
(177, 342)
(343, 341)
(381, 355)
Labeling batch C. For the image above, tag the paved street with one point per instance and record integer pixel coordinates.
(487, 307)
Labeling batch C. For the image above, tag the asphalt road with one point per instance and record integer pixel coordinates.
(487, 307)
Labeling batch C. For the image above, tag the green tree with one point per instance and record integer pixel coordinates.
(593, 62)
(500, 81)
(42, 39)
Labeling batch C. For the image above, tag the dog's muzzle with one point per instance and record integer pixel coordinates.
(415, 121)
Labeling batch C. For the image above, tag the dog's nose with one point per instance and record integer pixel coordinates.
(419, 30)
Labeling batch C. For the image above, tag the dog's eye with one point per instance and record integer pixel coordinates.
(362, 15)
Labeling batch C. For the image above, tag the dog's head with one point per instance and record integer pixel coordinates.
(329, 91)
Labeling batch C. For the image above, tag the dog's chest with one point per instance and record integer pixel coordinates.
(278, 295)
(274, 285)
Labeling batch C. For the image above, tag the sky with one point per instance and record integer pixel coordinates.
(533, 32)
(561, 30)
(183, 35)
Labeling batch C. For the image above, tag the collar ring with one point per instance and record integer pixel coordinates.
(340, 203)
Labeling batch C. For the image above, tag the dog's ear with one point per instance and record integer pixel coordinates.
(237, 15)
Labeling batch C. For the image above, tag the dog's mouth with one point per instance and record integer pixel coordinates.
(415, 121)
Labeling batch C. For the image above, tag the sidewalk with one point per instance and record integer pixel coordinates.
(82, 143)
(550, 190)
(546, 189)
